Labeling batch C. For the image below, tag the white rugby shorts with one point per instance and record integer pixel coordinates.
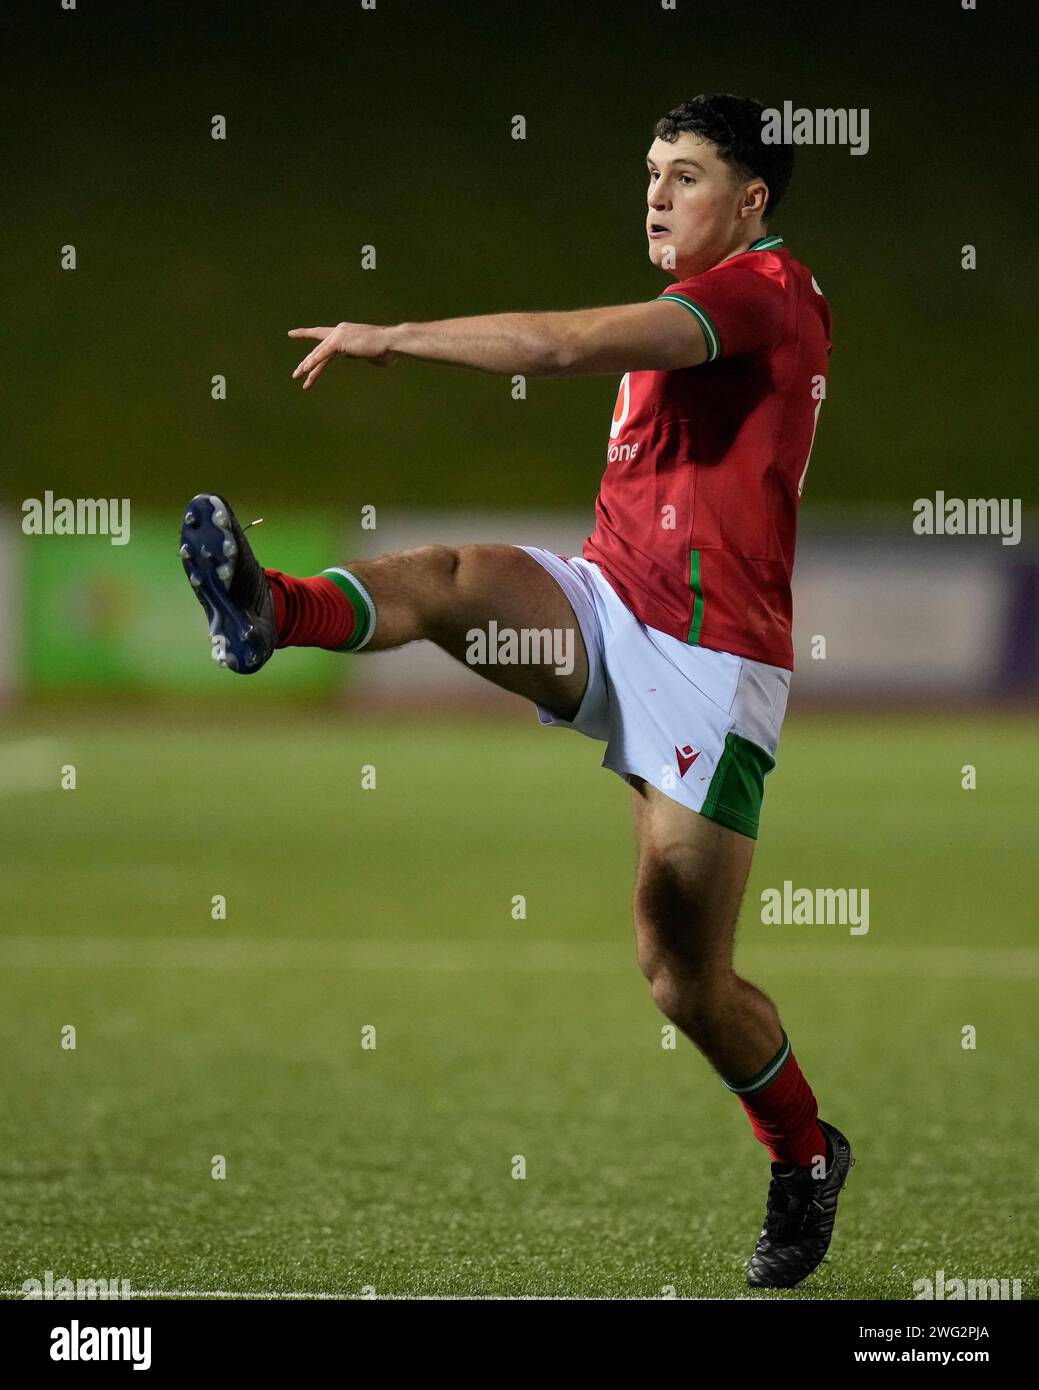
(700, 725)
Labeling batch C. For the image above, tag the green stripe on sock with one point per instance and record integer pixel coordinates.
(362, 604)
(765, 1075)
(696, 584)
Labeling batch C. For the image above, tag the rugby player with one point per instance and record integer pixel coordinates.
(679, 607)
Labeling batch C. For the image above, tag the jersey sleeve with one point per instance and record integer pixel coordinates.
(741, 310)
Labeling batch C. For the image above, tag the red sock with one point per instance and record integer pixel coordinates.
(311, 612)
(783, 1112)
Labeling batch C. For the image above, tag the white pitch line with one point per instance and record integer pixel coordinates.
(180, 1293)
(272, 1295)
(844, 956)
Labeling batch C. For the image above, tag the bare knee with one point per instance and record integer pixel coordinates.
(432, 573)
(697, 997)
(438, 562)
(458, 580)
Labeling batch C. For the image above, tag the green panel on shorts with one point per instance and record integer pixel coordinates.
(738, 785)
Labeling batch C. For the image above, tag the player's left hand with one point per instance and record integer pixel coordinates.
(364, 340)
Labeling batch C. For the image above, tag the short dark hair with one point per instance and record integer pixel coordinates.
(733, 125)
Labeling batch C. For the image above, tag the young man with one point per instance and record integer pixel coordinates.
(679, 609)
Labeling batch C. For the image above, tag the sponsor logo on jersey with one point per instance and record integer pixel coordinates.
(621, 452)
(686, 757)
(620, 410)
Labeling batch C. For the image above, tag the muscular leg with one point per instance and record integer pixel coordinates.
(690, 880)
(441, 593)
(691, 871)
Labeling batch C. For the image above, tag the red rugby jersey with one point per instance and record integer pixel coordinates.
(697, 510)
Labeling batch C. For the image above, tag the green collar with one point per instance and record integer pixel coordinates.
(766, 243)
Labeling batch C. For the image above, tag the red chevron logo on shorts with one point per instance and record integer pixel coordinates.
(686, 757)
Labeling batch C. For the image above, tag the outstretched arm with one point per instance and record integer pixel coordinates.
(653, 336)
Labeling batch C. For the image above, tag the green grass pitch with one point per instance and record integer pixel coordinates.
(391, 1169)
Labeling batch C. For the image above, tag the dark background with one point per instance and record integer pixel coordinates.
(392, 127)
(202, 1036)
